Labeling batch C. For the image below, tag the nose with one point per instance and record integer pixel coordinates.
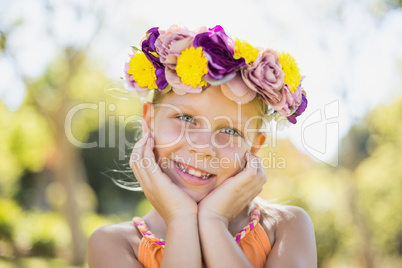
(200, 141)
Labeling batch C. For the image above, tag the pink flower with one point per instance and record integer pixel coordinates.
(171, 43)
(236, 90)
(292, 101)
(169, 46)
(266, 77)
(302, 107)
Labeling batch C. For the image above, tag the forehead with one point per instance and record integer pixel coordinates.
(211, 100)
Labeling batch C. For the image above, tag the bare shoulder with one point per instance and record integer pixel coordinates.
(113, 245)
(294, 221)
(287, 216)
(292, 235)
(124, 233)
(279, 218)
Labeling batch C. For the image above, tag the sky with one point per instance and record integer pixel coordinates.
(349, 51)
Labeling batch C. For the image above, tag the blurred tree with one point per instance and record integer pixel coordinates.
(372, 177)
(394, 3)
(354, 151)
(355, 206)
(379, 178)
(38, 137)
(40, 134)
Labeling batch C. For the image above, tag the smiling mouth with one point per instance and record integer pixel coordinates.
(193, 172)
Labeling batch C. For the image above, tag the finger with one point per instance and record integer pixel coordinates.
(253, 173)
(137, 159)
(254, 165)
(250, 171)
(141, 142)
(153, 170)
(138, 148)
(260, 176)
(254, 187)
(148, 162)
(138, 152)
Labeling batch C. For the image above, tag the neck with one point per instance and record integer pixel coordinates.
(240, 221)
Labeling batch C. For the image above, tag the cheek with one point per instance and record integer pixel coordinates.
(168, 136)
(232, 159)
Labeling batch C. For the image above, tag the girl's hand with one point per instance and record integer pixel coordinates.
(168, 199)
(227, 200)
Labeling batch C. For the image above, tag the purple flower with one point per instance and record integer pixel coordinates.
(292, 101)
(299, 111)
(266, 77)
(148, 45)
(218, 49)
(149, 49)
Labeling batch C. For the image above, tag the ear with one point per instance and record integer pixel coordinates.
(147, 117)
(258, 142)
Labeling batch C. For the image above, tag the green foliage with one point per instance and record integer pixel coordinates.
(36, 262)
(10, 213)
(91, 221)
(42, 232)
(379, 178)
(328, 237)
(394, 4)
(26, 141)
(372, 185)
(354, 207)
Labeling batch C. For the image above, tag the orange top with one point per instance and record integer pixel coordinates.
(252, 239)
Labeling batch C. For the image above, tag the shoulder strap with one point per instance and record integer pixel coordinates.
(142, 227)
(250, 226)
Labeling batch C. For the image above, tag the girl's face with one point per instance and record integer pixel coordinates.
(201, 139)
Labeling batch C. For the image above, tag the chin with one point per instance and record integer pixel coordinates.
(196, 196)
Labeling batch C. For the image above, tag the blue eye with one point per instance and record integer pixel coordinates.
(186, 118)
(231, 131)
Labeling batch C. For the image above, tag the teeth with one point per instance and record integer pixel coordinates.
(195, 173)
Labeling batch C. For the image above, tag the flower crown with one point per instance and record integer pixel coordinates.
(189, 61)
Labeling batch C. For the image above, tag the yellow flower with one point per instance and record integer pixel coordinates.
(192, 66)
(143, 70)
(246, 51)
(291, 70)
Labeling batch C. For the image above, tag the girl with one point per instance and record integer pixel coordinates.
(197, 163)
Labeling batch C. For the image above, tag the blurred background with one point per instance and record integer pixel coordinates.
(66, 128)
